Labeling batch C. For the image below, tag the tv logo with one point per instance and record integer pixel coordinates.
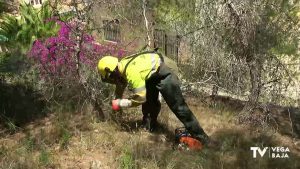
(273, 152)
(257, 149)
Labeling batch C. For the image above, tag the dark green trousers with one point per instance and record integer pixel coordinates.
(167, 83)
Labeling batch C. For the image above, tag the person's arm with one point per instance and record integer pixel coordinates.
(138, 98)
(120, 90)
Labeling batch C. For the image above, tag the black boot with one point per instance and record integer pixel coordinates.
(153, 125)
(146, 122)
(203, 138)
(207, 142)
(149, 124)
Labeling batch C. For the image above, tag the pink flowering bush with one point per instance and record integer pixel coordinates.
(67, 65)
(58, 56)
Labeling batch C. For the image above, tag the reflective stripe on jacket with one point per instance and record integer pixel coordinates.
(136, 70)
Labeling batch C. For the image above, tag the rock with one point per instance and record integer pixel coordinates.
(95, 164)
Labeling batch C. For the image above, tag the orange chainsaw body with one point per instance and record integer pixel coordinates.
(185, 141)
(191, 143)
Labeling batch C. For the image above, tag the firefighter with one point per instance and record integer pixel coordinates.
(147, 74)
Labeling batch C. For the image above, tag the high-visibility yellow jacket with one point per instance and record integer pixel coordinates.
(136, 70)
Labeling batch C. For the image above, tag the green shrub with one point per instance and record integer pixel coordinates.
(44, 158)
(126, 159)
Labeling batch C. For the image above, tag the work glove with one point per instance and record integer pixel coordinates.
(117, 104)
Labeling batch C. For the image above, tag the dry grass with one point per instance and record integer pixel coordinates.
(68, 140)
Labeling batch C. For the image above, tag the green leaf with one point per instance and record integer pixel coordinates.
(3, 38)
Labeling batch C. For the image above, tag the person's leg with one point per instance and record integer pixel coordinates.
(152, 106)
(170, 89)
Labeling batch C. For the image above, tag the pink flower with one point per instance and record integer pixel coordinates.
(58, 55)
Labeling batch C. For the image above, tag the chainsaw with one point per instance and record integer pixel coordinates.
(185, 141)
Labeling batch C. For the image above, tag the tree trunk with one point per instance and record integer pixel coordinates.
(215, 90)
(255, 77)
(247, 116)
(149, 43)
(255, 68)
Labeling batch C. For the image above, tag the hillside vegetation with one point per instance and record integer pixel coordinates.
(238, 62)
(78, 140)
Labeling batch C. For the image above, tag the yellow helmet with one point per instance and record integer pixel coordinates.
(106, 64)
